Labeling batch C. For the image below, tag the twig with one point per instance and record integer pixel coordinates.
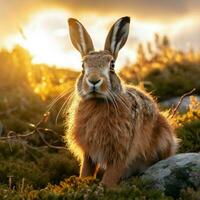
(174, 111)
(8, 111)
(13, 136)
(49, 145)
(22, 186)
(10, 181)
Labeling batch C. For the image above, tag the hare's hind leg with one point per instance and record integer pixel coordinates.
(137, 167)
(167, 142)
(88, 168)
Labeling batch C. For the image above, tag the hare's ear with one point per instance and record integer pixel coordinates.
(80, 37)
(117, 36)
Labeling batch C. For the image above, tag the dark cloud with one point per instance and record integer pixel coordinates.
(158, 10)
(146, 9)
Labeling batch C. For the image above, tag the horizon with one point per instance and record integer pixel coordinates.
(42, 28)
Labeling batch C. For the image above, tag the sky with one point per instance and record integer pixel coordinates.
(41, 25)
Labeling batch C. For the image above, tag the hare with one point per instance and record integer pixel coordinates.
(113, 126)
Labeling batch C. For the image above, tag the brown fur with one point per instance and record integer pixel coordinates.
(115, 127)
(110, 137)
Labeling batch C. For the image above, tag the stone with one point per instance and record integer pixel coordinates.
(175, 100)
(175, 173)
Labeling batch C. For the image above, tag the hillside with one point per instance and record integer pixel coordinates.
(34, 162)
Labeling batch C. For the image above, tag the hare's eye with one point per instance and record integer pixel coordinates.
(112, 65)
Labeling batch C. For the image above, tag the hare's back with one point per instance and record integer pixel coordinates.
(143, 102)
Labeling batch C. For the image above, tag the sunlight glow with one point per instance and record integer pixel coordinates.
(46, 36)
(41, 36)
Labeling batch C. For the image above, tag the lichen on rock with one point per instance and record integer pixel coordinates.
(175, 173)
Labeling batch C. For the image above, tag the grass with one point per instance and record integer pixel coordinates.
(40, 172)
(75, 188)
(165, 72)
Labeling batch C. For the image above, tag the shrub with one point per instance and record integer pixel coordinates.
(189, 134)
(37, 166)
(88, 188)
(188, 127)
(190, 194)
(173, 80)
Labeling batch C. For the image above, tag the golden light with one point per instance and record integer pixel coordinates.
(46, 36)
(42, 40)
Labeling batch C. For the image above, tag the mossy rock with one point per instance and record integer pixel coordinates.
(175, 174)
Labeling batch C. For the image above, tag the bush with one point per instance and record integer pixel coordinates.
(88, 188)
(163, 70)
(26, 90)
(188, 127)
(37, 166)
(173, 80)
(189, 134)
(190, 194)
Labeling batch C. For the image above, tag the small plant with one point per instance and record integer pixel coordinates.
(188, 127)
(190, 194)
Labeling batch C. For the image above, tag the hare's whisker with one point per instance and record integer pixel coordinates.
(55, 100)
(63, 105)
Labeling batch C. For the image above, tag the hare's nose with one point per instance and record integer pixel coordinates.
(94, 82)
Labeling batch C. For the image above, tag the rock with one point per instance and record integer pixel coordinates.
(174, 101)
(175, 173)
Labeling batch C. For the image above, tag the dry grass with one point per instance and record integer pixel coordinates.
(26, 90)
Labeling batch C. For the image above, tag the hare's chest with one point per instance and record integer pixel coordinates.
(105, 136)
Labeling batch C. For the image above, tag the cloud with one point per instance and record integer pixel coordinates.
(188, 36)
(165, 10)
(15, 13)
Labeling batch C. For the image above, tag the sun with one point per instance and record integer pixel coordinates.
(46, 37)
(43, 35)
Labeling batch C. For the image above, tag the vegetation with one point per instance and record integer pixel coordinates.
(34, 162)
(188, 127)
(164, 71)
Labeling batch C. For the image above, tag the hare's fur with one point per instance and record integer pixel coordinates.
(122, 132)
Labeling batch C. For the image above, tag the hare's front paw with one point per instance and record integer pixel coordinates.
(109, 183)
(113, 175)
(88, 168)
